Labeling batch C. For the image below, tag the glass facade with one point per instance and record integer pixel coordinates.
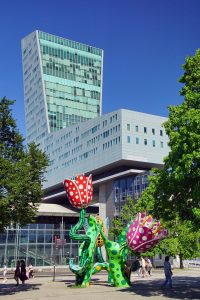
(36, 244)
(130, 186)
(62, 83)
(72, 74)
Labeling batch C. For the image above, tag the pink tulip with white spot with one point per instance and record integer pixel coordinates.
(79, 191)
(144, 233)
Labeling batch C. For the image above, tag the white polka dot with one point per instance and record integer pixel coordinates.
(141, 230)
(66, 184)
(81, 177)
(144, 238)
(80, 186)
(71, 193)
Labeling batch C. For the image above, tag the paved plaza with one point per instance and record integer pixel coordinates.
(186, 285)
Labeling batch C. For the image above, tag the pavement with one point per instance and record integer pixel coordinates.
(186, 285)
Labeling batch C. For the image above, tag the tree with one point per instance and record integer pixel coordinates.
(182, 240)
(21, 172)
(178, 184)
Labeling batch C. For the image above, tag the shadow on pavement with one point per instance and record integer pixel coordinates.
(183, 288)
(10, 289)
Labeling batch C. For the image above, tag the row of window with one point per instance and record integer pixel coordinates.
(69, 43)
(72, 57)
(137, 141)
(89, 143)
(72, 77)
(81, 157)
(126, 187)
(103, 135)
(58, 120)
(153, 131)
(97, 127)
(112, 142)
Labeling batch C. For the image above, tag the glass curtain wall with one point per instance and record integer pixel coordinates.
(72, 74)
(131, 186)
(36, 244)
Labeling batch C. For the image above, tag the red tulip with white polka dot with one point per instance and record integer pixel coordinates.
(144, 233)
(79, 191)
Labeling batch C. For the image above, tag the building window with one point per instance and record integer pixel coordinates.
(145, 142)
(154, 143)
(128, 139)
(137, 140)
(161, 144)
(145, 129)
(128, 127)
(136, 128)
(153, 131)
(161, 133)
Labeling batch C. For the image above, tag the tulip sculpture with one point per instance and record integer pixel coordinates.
(138, 236)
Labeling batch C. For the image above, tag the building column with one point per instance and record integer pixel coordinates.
(106, 206)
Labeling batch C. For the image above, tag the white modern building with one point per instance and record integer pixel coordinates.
(117, 145)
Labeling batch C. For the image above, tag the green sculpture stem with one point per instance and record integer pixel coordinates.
(102, 265)
(73, 232)
(84, 270)
(99, 255)
(116, 263)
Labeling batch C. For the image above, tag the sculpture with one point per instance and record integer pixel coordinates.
(141, 234)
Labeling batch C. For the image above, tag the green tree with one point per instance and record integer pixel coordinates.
(21, 172)
(177, 190)
(183, 238)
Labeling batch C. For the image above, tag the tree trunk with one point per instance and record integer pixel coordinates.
(181, 260)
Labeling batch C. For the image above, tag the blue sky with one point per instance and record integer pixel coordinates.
(145, 43)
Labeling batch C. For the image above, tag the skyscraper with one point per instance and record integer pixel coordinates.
(62, 83)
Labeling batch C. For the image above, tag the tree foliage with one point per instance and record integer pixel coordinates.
(21, 172)
(182, 240)
(177, 189)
